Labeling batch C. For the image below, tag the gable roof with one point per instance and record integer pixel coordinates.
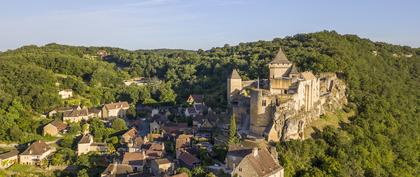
(188, 159)
(9, 154)
(85, 139)
(117, 105)
(76, 113)
(134, 158)
(239, 151)
(196, 98)
(261, 163)
(37, 148)
(235, 75)
(118, 169)
(280, 58)
(131, 133)
(59, 125)
(162, 161)
(183, 174)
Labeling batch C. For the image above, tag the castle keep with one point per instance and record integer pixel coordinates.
(279, 108)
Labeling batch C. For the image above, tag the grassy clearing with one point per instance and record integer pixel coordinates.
(330, 118)
(25, 170)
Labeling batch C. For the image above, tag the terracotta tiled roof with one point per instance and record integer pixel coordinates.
(59, 125)
(37, 148)
(118, 169)
(134, 158)
(9, 154)
(182, 141)
(262, 163)
(162, 161)
(280, 58)
(76, 113)
(132, 132)
(117, 105)
(188, 159)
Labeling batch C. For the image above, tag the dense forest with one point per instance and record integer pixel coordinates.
(383, 81)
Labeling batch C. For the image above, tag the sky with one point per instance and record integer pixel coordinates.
(200, 24)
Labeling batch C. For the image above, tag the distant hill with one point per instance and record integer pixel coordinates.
(383, 81)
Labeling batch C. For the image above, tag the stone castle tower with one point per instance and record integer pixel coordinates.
(234, 85)
(279, 107)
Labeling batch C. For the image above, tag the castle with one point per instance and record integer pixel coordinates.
(279, 108)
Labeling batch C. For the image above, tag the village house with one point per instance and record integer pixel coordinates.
(135, 144)
(136, 160)
(196, 106)
(188, 160)
(35, 153)
(253, 162)
(117, 170)
(87, 145)
(67, 93)
(93, 112)
(76, 115)
(63, 109)
(54, 128)
(8, 159)
(154, 126)
(181, 142)
(129, 135)
(160, 167)
(114, 110)
(154, 150)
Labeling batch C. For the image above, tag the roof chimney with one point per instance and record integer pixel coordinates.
(255, 151)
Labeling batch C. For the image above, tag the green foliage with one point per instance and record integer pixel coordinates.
(184, 170)
(118, 124)
(233, 132)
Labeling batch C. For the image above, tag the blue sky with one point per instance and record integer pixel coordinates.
(194, 24)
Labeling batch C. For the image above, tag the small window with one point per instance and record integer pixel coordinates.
(240, 169)
(264, 102)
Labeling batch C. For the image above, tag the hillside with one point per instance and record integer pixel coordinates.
(381, 139)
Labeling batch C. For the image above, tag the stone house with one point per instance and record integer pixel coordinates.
(76, 115)
(117, 170)
(35, 153)
(135, 145)
(161, 167)
(8, 159)
(136, 160)
(253, 162)
(114, 110)
(54, 128)
(188, 160)
(129, 135)
(181, 142)
(63, 109)
(154, 126)
(87, 145)
(67, 93)
(154, 150)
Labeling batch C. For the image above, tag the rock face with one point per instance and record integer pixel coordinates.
(333, 97)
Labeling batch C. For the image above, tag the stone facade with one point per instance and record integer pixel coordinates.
(279, 108)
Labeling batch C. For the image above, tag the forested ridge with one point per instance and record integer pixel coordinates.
(383, 82)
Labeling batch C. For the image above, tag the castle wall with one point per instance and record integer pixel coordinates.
(260, 112)
(278, 70)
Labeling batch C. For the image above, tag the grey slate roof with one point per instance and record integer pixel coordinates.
(280, 58)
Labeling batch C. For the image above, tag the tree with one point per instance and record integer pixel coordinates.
(82, 173)
(184, 170)
(198, 171)
(210, 174)
(233, 134)
(118, 124)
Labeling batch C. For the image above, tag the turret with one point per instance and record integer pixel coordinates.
(234, 85)
(279, 66)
